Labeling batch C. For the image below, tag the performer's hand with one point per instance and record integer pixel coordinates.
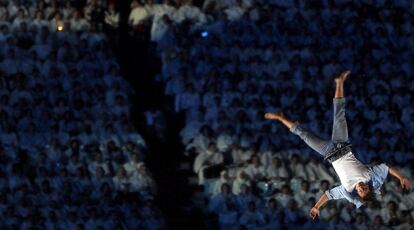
(314, 212)
(405, 183)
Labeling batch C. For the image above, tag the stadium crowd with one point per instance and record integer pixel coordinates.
(70, 157)
(239, 59)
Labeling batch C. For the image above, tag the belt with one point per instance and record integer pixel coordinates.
(339, 150)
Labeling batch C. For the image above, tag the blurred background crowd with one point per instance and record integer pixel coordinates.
(69, 153)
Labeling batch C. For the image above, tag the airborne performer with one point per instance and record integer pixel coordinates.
(359, 182)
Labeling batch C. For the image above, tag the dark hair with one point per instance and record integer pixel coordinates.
(370, 196)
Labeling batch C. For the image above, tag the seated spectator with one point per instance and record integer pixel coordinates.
(142, 181)
(252, 218)
(224, 201)
(131, 167)
(391, 214)
(241, 179)
(297, 168)
(254, 169)
(138, 13)
(276, 172)
(378, 223)
(272, 215)
(292, 213)
(304, 194)
(284, 196)
(245, 197)
(121, 181)
(224, 178)
(208, 163)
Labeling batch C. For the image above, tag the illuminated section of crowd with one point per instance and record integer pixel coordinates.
(70, 157)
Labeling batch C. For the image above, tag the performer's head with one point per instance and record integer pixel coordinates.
(364, 191)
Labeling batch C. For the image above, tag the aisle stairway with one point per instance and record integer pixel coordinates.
(165, 159)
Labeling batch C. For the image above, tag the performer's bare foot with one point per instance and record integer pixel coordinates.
(341, 79)
(274, 116)
(339, 90)
(280, 117)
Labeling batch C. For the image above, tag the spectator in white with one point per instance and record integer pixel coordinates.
(39, 20)
(297, 168)
(304, 193)
(241, 179)
(138, 13)
(51, 9)
(225, 139)
(372, 210)
(121, 181)
(205, 160)
(160, 27)
(329, 213)
(276, 172)
(79, 23)
(284, 196)
(68, 11)
(166, 8)
(255, 170)
(317, 171)
(387, 194)
(224, 178)
(252, 218)
(347, 213)
(112, 16)
(235, 12)
(131, 167)
(74, 164)
(21, 17)
(378, 223)
(189, 12)
(360, 223)
(323, 186)
(391, 214)
(99, 177)
(98, 163)
(142, 180)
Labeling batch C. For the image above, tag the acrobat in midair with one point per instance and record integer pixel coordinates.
(359, 182)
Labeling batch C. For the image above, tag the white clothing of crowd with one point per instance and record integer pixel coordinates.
(70, 156)
(282, 56)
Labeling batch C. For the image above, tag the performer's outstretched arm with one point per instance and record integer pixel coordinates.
(314, 212)
(404, 181)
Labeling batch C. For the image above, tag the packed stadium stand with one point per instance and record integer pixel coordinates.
(149, 114)
(70, 157)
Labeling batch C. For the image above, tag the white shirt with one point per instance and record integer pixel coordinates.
(350, 171)
(137, 15)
